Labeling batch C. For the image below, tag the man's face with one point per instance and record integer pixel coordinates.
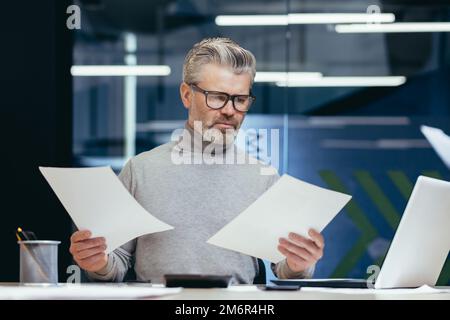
(222, 79)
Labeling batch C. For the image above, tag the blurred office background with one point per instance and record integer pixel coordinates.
(349, 112)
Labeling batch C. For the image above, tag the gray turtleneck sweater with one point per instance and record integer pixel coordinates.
(198, 199)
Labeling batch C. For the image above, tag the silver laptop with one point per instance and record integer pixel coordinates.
(422, 241)
(420, 246)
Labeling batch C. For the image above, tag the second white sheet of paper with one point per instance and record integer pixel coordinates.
(290, 205)
(439, 141)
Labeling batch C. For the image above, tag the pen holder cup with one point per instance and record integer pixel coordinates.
(39, 261)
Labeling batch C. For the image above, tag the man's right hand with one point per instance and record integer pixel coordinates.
(89, 253)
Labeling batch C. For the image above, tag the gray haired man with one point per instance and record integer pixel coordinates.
(198, 199)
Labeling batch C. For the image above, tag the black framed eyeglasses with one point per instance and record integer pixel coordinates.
(218, 100)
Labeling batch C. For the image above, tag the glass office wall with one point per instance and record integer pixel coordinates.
(119, 116)
(348, 108)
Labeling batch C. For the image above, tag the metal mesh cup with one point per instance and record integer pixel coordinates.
(39, 261)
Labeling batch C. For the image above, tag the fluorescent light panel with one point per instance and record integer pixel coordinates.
(266, 76)
(391, 81)
(326, 18)
(394, 27)
(303, 18)
(252, 20)
(116, 70)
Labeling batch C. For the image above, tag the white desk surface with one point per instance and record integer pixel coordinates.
(253, 293)
(302, 294)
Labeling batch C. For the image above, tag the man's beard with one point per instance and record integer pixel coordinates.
(224, 136)
(217, 136)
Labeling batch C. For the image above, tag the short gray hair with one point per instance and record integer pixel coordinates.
(221, 51)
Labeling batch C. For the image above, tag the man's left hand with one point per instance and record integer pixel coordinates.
(300, 252)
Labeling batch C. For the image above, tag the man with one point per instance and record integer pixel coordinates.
(198, 199)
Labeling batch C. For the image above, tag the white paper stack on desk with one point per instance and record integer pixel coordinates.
(83, 292)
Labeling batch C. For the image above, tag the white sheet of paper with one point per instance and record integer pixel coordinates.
(84, 291)
(425, 289)
(97, 200)
(290, 205)
(439, 141)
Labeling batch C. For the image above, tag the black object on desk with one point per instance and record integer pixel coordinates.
(324, 283)
(280, 288)
(197, 281)
(147, 282)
